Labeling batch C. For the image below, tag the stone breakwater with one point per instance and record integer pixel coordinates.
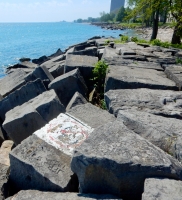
(55, 144)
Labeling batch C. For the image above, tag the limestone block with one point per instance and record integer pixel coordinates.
(162, 189)
(77, 99)
(161, 131)
(84, 63)
(24, 120)
(66, 85)
(117, 160)
(38, 195)
(91, 115)
(57, 69)
(42, 161)
(123, 77)
(162, 102)
(4, 172)
(21, 96)
(175, 74)
(12, 81)
(4, 152)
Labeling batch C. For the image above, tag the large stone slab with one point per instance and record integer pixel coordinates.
(162, 189)
(77, 99)
(21, 96)
(38, 195)
(162, 102)
(66, 85)
(57, 69)
(161, 131)
(89, 51)
(24, 120)
(84, 63)
(175, 73)
(12, 81)
(91, 115)
(42, 161)
(4, 172)
(123, 77)
(117, 160)
(4, 152)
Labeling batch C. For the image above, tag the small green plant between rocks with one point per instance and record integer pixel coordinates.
(99, 74)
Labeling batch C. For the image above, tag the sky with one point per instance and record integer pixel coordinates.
(50, 10)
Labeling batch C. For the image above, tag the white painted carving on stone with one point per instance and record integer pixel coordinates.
(64, 133)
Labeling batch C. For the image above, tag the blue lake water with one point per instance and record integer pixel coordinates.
(33, 40)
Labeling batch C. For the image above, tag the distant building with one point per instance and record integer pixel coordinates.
(116, 5)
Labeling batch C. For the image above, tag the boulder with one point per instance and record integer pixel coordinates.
(58, 53)
(66, 85)
(38, 195)
(57, 69)
(89, 51)
(53, 62)
(169, 60)
(175, 74)
(77, 99)
(84, 63)
(116, 160)
(21, 96)
(4, 152)
(4, 172)
(161, 131)
(42, 161)
(161, 102)
(24, 120)
(162, 189)
(42, 73)
(91, 115)
(123, 77)
(40, 60)
(12, 81)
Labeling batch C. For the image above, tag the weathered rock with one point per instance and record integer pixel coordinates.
(89, 51)
(53, 62)
(84, 63)
(91, 115)
(37, 195)
(161, 102)
(116, 160)
(169, 61)
(24, 120)
(161, 131)
(162, 189)
(179, 54)
(40, 60)
(11, 82)
(77, 99)
(21, 96)
(4, 152)
(42, 161)
(42, 73)
(123, 77)
(175, 74)
(58, 53)
(66, 85)
(4, 172)
(110, 53)
(58, 69)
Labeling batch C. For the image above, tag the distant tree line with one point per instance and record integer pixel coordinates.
(148, 13)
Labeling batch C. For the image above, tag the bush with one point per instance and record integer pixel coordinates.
(156, 42)
(124, 38)
(134, 39)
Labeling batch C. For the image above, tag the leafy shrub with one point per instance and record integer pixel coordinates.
(178, 61)
(124, 38)
(156, 42)
(107, 42)
(134, 39)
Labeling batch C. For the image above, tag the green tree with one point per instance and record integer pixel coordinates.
(121, 14)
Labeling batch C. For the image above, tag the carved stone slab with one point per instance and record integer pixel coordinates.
(123, 77)
(38, 165)
(164, 102)
(117, 160)
(91, 115)
(37, 195)
(64, 133)
(161, 131)
(162, 189)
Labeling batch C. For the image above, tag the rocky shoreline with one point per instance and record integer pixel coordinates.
(55, 144)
